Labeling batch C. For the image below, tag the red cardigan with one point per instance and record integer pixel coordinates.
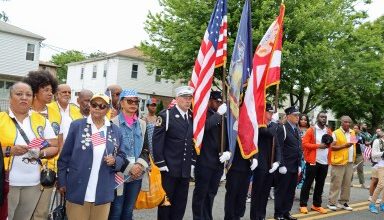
(310, 146)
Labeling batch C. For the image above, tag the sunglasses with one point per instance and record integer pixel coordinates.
(100, 106)
(131, 102)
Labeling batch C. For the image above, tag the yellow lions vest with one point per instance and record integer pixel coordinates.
(340, 157)
(9, 132)
(74, 111)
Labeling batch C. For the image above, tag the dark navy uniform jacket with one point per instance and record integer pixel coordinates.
(210, 147)
(290, 144)
(265, 141)
(174, 147)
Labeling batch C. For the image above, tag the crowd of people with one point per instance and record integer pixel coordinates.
(102, 138)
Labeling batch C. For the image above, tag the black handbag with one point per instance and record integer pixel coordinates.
(47, 176)
(58, 213)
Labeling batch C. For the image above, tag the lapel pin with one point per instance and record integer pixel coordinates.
(177, 116)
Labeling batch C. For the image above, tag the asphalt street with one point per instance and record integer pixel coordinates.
(358, 201)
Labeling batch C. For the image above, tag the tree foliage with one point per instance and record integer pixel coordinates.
(325, 44)
(62, 59)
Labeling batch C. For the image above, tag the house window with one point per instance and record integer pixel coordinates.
(105, 70)
(82, 73)
(94, 72)
(158, 75)
(142, 105)
(2, 85)
(135, 67)
(30, 52)
(8, 84)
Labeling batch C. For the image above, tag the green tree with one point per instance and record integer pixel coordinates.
(159, 107)
(312, 32)
(358, 89)
(62, 59)
(97, 54)
(3, 15)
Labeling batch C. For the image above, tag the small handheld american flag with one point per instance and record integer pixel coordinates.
(98, 138)
(119, 179)
(367, 153)
(38, 143)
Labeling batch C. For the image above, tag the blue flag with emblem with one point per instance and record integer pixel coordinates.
(239, 71)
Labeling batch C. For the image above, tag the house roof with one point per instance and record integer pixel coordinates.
(8, 28)
(134, 53)
(44, 63)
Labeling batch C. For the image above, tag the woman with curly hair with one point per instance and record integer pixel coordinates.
(303, 126)
(44, 85)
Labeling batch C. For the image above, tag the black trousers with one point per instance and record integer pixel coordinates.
(316, 172)
(177, 192)
(261, 186)
(284, 193)
(236, 196)
(207, 181)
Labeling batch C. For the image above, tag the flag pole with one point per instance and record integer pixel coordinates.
(224, 91)
(276, 106)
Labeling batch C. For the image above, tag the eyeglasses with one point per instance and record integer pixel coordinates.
(100, 106)
(33, 161)
(131, 102)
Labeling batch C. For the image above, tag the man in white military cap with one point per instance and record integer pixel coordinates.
(174, 153)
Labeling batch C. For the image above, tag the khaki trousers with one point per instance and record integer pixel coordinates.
(22, 200)
(42, 208)
(380, 185)
(340, 183)
(88, 211)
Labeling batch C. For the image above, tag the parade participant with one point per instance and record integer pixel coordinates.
(4, 188)
(174, 153)
(303, 127)
(374, 175)
(316, 155)
(44, 85)
(68, 111)
(113, 91)
(150, 119)
(263, 174)
(209, 164)
(84, 100)
(19, 128)
(237, 184)
(359, 162)
(343, 153)
(288, 138)
(133, 130)
(87, 164)
(378, 158)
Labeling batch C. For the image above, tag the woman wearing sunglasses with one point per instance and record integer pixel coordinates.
(133, 130)
(87, 164)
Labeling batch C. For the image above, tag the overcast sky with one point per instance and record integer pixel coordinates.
(91, 25)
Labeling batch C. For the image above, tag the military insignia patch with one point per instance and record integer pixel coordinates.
(40, 131)
(56, 127)
(159, 121)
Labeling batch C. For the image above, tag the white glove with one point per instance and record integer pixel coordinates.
(254, 164)
(275, 117)
(225, 156)
(299, 170)
(165, 168)
(283, 170)
(275, 165)
(222, 109)
(193, 171)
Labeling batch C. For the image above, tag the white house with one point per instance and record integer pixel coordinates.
(19, 54)
(126, 68)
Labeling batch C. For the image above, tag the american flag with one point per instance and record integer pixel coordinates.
(98, 138)
(367, 153)
(252, 113)
(212, 53)
(118, 180)
(36, 143)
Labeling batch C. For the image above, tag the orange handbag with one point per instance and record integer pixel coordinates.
(156, 194)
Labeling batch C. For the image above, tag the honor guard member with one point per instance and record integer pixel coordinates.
(268, 158)
(289, 140)
(174, 153)
(209, 164)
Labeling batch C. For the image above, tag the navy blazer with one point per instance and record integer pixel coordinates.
(75, 164)
(290, 145)
(265, 142)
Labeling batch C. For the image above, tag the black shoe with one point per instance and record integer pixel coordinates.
(289, 217)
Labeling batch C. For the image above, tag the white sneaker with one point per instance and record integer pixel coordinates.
(332, 207)
(345, 207)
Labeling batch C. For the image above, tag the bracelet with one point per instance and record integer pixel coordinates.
(8, 151)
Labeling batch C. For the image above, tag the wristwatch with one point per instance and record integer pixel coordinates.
(8, 151)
